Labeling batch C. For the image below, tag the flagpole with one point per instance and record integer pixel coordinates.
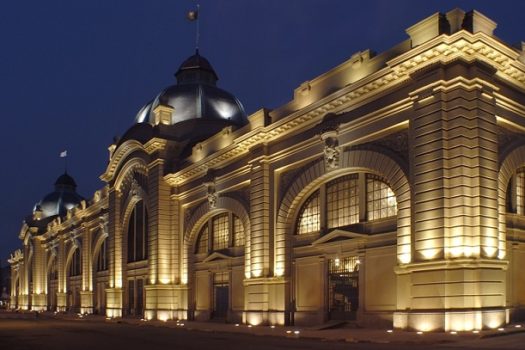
(198, 28)
(63, 154)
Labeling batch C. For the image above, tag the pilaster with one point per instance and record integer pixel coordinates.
(260, 217)
(457, 278)
(39, 295)
(114, 301)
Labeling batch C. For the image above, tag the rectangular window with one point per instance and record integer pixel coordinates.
(342, 201)
(220, 232)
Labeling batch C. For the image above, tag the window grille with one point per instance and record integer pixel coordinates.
(238, 232)
(202, 244)
(220, 231)
(309, 217)
(342, 201)
(381, 200)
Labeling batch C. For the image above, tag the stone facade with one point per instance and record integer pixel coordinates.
(390, 190)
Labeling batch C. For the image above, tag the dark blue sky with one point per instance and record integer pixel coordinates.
(73, 74)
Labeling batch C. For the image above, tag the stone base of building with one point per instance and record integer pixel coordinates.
(86, 302)
(114, 302)
(23, 302)
(39, 302)
(456, 320)
(451, 295)
(166, 302)
(265, 301)
(61, 302)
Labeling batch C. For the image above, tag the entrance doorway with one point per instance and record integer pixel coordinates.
(221, 295)
(136, 297)
(343, 288)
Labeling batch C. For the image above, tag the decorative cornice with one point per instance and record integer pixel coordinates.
(443, 49)
(128, 147)
(154, 145)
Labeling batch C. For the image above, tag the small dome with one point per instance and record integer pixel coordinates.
(195, 96)
(63, 198)
(65, 180)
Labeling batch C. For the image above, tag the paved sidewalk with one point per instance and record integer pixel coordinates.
(353, 335)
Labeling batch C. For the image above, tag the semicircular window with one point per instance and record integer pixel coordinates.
(220, 232)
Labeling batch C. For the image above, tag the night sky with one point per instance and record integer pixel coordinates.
(73, 74)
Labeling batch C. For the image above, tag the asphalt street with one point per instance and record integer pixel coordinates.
(52, 334)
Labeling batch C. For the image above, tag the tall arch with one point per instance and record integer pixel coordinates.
(203, 213)
(514, 160)
(317, 173)
(125, 192)
(51, 282)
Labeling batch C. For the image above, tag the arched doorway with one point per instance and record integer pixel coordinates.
(100, 273)
(74, 281)
(218, 268)
(333, 226)
(52, 284)
(137, 229)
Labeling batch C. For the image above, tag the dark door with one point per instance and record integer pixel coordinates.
(343, 293)
(140, 297)
(131, 297)
(221, 301)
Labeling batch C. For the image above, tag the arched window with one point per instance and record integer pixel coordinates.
(381, 200)
(103, 257)
(520, 192)
(345, 201)
(220, 232)
(309, 216)
(138, 233)
(75, 265)
(202, 243)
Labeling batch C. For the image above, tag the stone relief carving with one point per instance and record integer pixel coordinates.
(212, 195)
(331, 149)
(135, 188)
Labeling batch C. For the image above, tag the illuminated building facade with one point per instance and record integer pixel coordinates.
(391, 189)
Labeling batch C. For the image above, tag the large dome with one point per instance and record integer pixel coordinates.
(64, 197)
(195, 96)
